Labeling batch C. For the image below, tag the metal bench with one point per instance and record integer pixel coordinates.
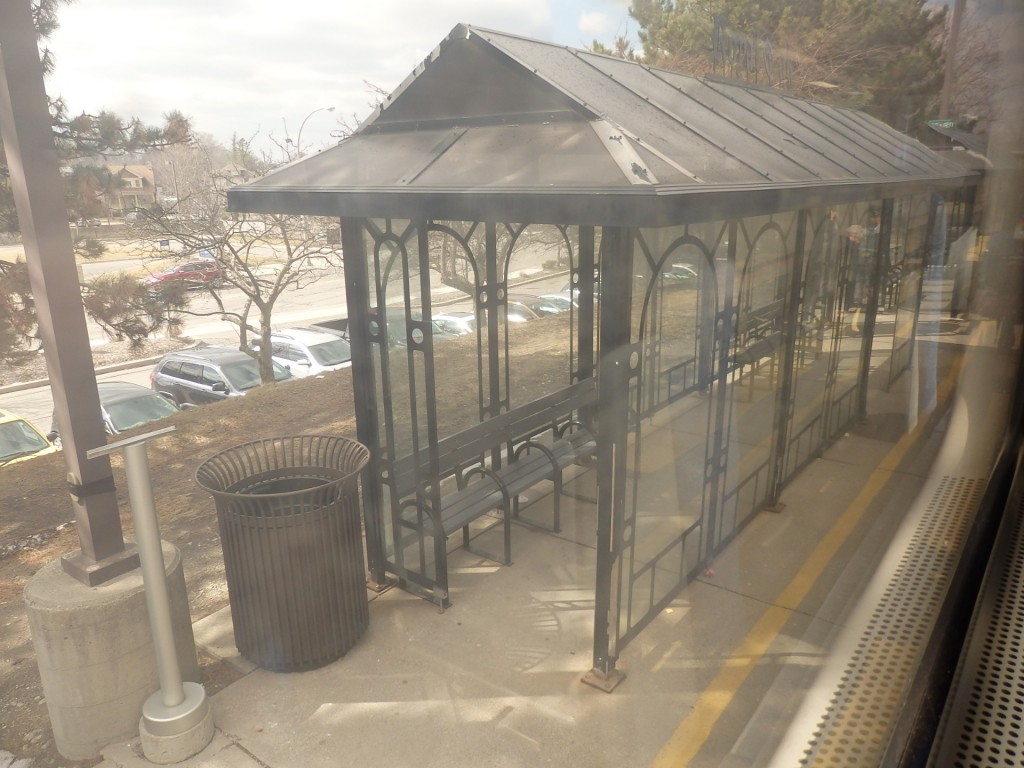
(752, 356)
(493, 462)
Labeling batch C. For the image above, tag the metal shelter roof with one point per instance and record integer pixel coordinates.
(493, 126)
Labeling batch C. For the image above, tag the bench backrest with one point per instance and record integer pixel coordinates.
(468, 445)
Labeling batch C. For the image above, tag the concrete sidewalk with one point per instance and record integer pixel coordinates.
(496, 679)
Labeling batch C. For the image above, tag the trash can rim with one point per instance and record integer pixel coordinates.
(362, 461)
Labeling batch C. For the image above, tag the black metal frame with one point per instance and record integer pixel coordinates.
(623, 357)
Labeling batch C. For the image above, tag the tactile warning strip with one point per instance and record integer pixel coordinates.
(854, 730)
(984, 722)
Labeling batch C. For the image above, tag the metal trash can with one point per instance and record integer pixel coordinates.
(289, 516)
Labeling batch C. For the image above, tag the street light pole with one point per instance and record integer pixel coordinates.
(946, 104)
(298, 139)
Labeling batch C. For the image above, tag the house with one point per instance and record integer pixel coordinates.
(131, 187)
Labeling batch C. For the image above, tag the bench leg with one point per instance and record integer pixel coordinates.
(506, 525)
(440, 598)
(557, 520)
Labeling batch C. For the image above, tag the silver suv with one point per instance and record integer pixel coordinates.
(207, 375)
(308, 352)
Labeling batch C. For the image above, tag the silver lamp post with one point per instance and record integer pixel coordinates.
(298, 138)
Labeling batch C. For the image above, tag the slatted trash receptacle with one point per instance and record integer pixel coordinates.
(289, 516)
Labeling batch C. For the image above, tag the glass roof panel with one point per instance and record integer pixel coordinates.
(500, 112)
(560, 154)
(448, 87)
(760, 143)
(693, 146)
(366, 160)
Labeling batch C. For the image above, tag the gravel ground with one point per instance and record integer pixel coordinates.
(110, 353)
(35, 516)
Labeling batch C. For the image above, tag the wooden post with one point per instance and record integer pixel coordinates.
(39, 196)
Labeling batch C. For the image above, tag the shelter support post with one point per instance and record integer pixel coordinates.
(493, 297)
(583, 278)
(612, 448)
(27, 134)
(881, 256)
(785, 402)
(714, 468)
(357, 298)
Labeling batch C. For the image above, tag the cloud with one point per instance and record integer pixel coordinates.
(597, 25)
(252, 66)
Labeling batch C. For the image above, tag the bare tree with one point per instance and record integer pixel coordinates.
(975, 70)
(261, 256)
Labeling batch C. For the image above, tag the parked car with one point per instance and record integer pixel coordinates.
(338, 326)
(19, 440)
(307, 352)
(208, 375)
(398, 332)
(396, 327)
(194, 274)
(572, 293)
(124, 406)
(681, 274)
(522, 308)
(563, 302)
(540, 306)
(456, 323)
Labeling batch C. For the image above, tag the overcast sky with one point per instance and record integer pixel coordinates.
(250, 66)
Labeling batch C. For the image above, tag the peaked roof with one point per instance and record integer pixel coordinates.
(496, 126)
(144, 172)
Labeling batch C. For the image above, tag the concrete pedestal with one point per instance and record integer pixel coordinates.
(95, 652)
(175, 734)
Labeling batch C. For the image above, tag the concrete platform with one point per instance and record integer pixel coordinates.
(495, 679)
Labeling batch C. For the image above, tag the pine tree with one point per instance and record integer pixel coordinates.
(880, 55)
(75, 137)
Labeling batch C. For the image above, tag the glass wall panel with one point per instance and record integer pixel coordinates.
(673, 310)
(908, 271)
(402, 342)
(677, 292)
(819, 286)
(461, 369)
(538, 318)
(847, 340)
(763, 253)
(402, 345)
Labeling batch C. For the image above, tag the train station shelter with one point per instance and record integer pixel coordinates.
(733, 263)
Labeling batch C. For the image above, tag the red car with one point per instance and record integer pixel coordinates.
(195, 273)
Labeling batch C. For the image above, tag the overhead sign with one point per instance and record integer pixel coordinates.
(942, 123)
